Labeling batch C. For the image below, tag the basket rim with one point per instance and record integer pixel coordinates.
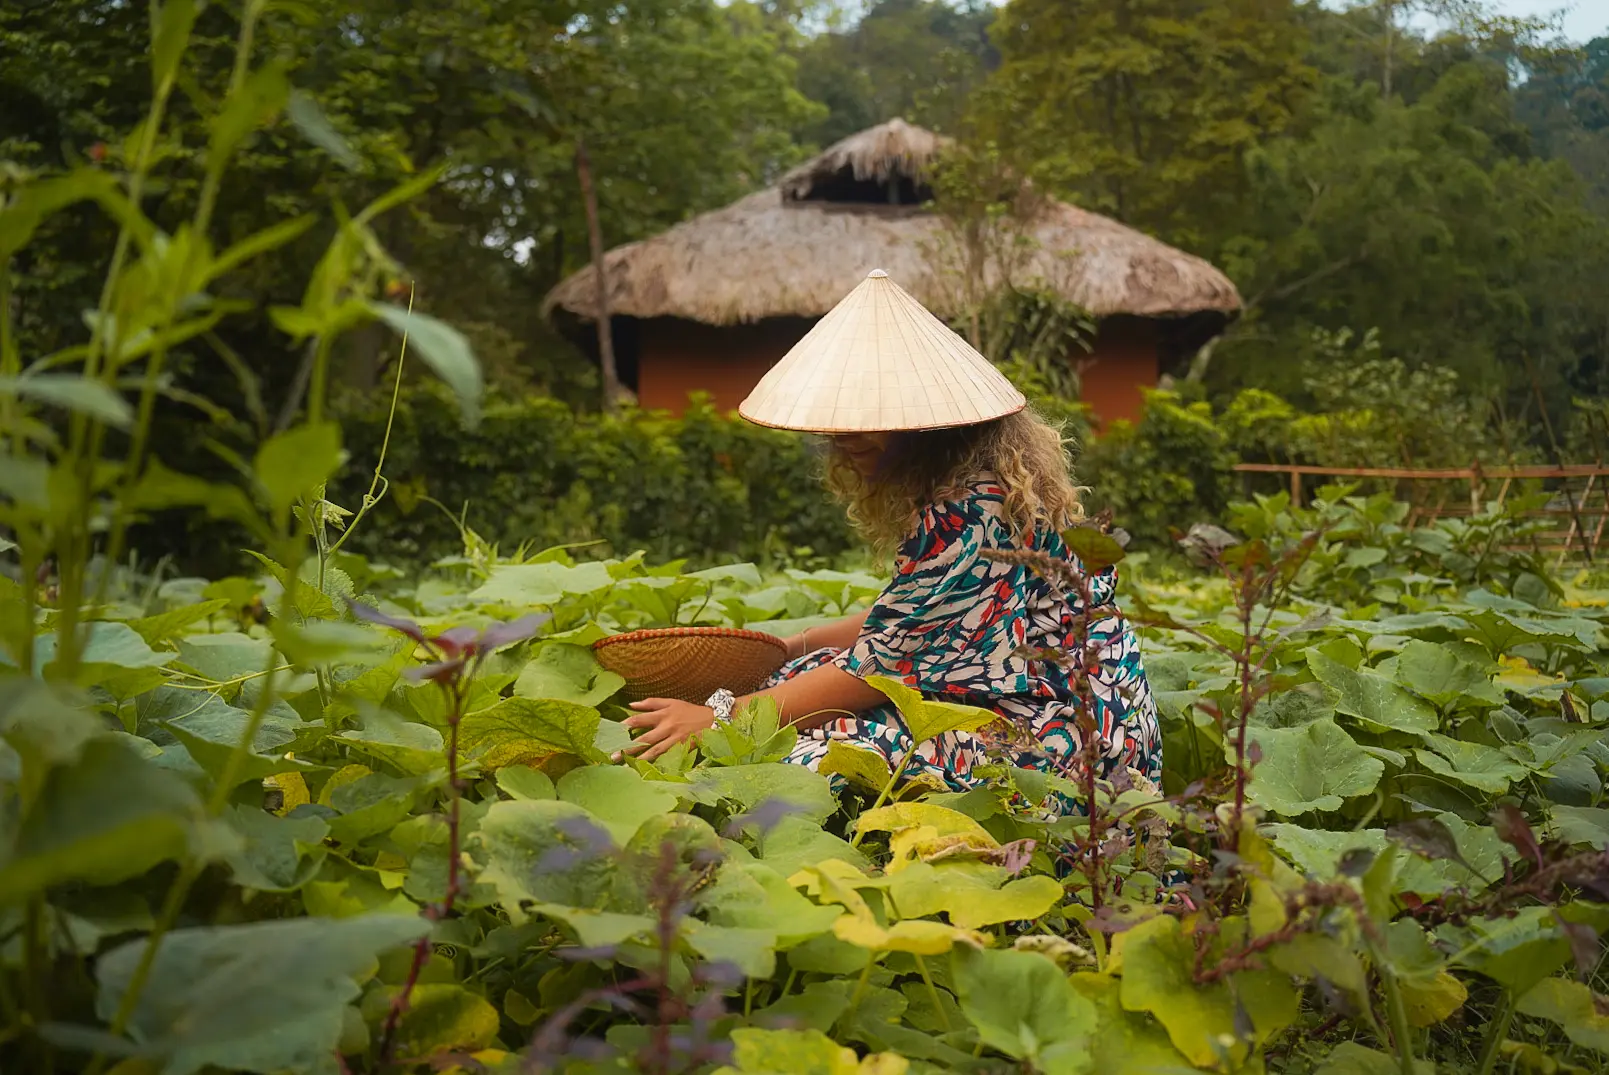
(692, 632)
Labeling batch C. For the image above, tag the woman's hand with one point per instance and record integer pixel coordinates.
(668, 722)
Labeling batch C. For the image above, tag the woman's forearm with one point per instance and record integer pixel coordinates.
(839, 634)
(812, 698)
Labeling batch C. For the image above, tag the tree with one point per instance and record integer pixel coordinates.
(916, 59)
(1145, 109)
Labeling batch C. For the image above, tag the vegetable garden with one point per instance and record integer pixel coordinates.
(330, 817)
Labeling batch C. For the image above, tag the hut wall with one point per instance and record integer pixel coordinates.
(1123, 359)
(677, 357)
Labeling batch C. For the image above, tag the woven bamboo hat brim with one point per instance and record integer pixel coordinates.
(690, 663)
(880, 362)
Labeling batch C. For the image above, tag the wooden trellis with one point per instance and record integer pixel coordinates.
(1579, 505)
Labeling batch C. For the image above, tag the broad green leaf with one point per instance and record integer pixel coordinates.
(72, 392)
(1318, 852)
(970, 893)
(105, 643)
(1157, 959)
(1430, 1002)
(1024, 1006)
(524, 585)
(212, 733)
(296, 463)
(547, 851)
(228, 657)
(1350, 1058)
(817, 1006)
(926, 719)
(752, 895)
(617, 797)
(413, 749)
(254, 105)
(1095, 550)
(599, 929)
(751, 785)
(1574, 1007)
(802, 1052)
(796, 842)
(440, 1017)
(1313, 767)
(753, 951)
(165, 626)
(1479, 766)
(520, 730)
(916, 936)
(276, 854)
(569, 674)
(444, 349)
(1581, 825)
(109, 816)
(1370, 697)
(263, 997)
(369, 805)
(861, 766)
(1439, 674)
(523, 782)
(1517, 951)
(47, 724)
(1125, 1043)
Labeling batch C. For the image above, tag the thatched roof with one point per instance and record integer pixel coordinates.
(788, 251)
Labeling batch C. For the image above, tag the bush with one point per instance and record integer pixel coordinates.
(535, 472)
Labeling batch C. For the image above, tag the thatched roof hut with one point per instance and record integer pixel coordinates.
(763, 268)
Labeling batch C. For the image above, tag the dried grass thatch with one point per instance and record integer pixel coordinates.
(776, 254)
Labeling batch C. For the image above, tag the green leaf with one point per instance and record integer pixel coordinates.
(523, 782)
(796, 1052)
(926, 719)
(171, 23)
(372, 804)
(69, 391)
(108, 817)
(440, 1018)
(1023, 1005)
(309, 118)
(263, 997)
(295, 463)
(1581, 825)
(1479, 766)
(1437, 673)
(1125, 1043)
(1376, 701)
(617, 797)
(1350, 1058)
(276, 854)
(211, 733)
(751, 951)
(518, 730)
(1574, 1007)
(1095, 550)
(106, 643)
(753, 895)
(1157, 959)
(1313, 767)
(165, 626)
(546, 851)
(751, 785)
(414, 749)
(253, 106)
(861, 766)
(523, 585)
(569, 674)
(443, 349)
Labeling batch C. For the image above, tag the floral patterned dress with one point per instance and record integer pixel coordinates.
(960, 627)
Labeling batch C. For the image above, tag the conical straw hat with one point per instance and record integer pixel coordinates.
(880, 362)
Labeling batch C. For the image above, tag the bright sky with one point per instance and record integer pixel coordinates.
(1583, 19)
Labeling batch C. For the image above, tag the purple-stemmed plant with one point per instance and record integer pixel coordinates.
(454, 656)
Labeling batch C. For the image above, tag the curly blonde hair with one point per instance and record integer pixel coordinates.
(1025, 454)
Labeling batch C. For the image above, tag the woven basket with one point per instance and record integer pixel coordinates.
(690, 663)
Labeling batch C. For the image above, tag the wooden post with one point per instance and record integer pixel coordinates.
(1296, 488)
(606, 341)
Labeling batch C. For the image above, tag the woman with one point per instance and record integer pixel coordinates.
(939, 461)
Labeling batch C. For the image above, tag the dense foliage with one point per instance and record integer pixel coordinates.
(330, 815)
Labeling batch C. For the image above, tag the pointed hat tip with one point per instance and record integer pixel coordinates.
(877, 274)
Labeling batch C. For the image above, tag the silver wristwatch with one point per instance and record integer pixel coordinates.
(722, 702)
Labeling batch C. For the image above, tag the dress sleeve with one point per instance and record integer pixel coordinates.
(950, 621)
